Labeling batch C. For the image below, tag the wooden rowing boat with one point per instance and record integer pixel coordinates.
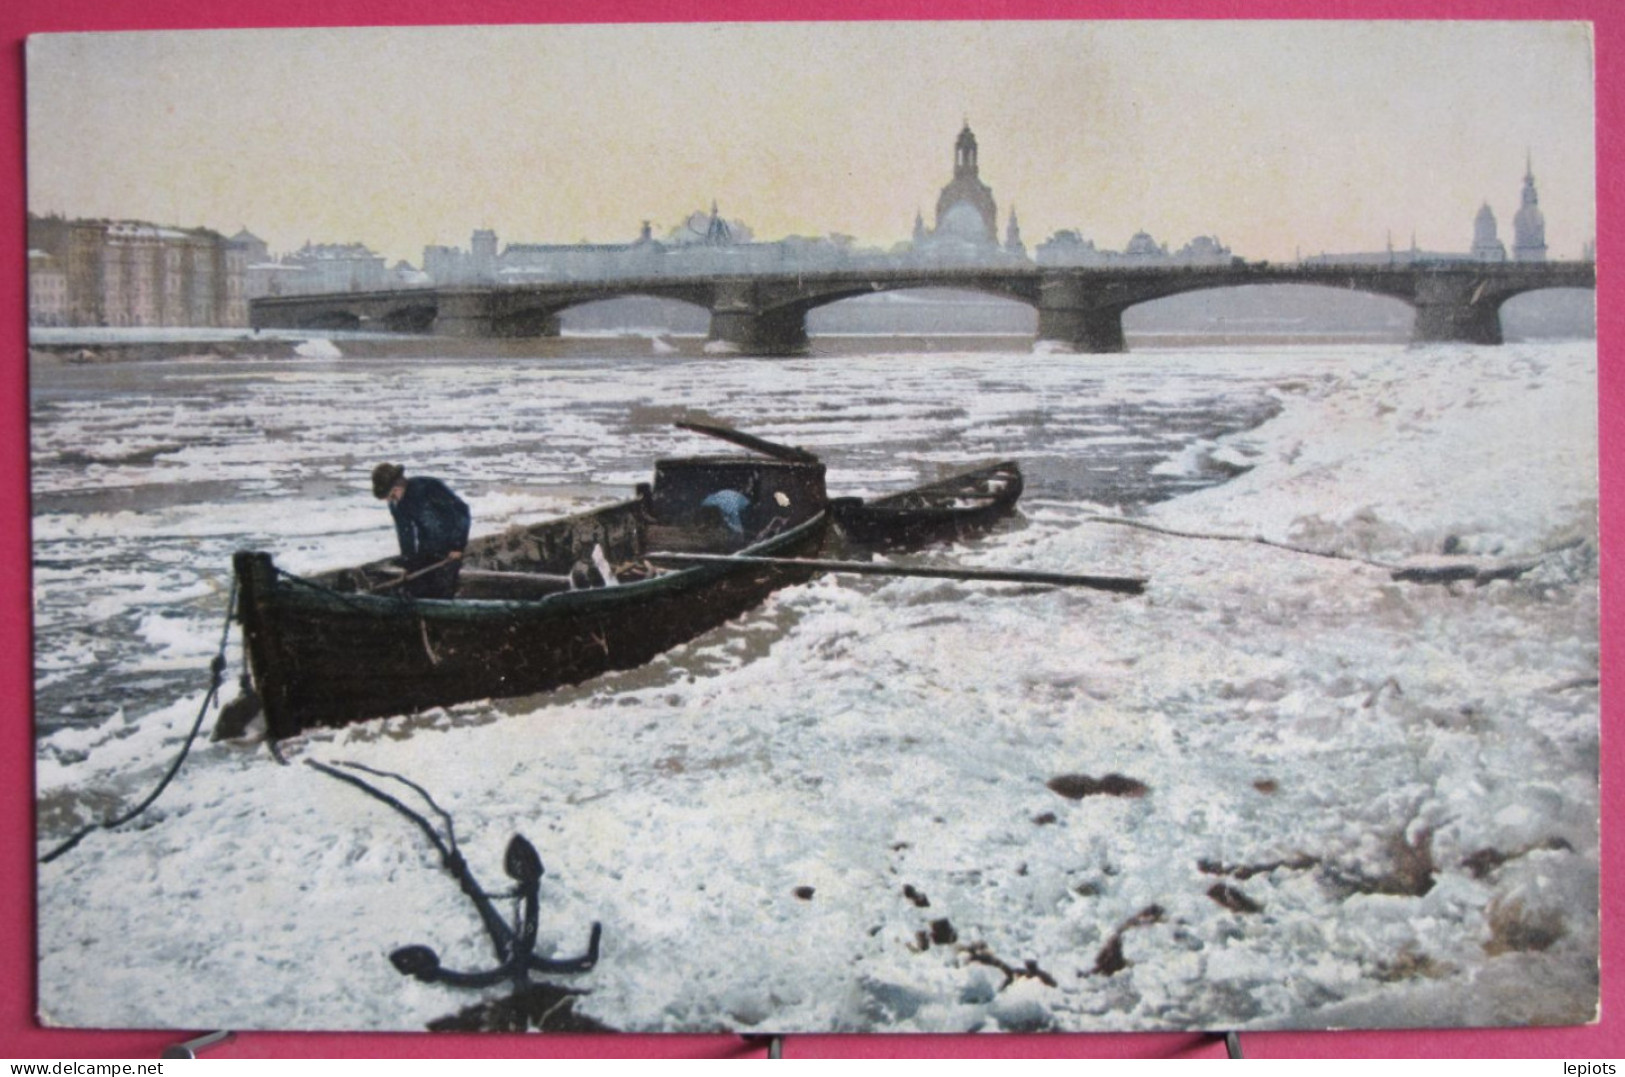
(956, 507)
(952, 508)
(333, 648)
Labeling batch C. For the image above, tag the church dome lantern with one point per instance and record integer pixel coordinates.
(965, 153)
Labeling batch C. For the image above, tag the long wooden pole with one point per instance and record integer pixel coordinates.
(386, 585)
(1126, 585)
(751, 441)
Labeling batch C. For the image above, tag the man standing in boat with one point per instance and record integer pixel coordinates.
(432, 525)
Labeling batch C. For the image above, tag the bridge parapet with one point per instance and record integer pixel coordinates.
(1079, 307)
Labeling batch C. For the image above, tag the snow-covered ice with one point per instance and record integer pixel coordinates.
(1345, 800)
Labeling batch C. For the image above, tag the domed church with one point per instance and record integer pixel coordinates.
(967, 216)
(965, 209)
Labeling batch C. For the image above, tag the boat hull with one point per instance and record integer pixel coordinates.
(327, 652)
(956, 508)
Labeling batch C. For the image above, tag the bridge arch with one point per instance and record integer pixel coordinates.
(331, 319)
(926, 311)
(774, 319)
(769, 317)
(810, 298)
(415, 318)
(526, 322)
(1272, 309)
(1452, 301)
(636, 309)
(542, 309)
(1550, 312)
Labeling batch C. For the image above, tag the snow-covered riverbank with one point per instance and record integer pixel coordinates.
(1341, 800)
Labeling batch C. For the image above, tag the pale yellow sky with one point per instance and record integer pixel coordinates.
(1277, 137)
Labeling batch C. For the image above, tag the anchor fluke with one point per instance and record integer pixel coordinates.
(418, 962)
(521, 862)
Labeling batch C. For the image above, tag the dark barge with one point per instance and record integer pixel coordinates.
(957, 507)
(345, 646)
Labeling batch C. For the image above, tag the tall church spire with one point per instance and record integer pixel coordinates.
(1012, 237)
(717, 232)
(1529, 224)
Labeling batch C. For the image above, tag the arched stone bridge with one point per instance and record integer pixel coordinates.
(1080, 308)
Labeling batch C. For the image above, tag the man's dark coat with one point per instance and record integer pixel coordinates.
(430, 521)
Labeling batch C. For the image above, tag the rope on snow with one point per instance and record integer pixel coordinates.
(217, 669)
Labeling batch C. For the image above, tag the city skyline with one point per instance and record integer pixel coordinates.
(367, 136)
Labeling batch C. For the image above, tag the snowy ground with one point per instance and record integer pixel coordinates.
(1342, 800)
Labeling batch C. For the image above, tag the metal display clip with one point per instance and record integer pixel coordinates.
(774, 1044)
(191, 1048)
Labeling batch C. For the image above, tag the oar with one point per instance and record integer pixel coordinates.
(751, 441)
(1126, 585)
(410, 576)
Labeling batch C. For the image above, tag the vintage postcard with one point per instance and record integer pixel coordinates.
(828, 527)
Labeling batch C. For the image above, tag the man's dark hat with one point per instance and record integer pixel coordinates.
(384, 478)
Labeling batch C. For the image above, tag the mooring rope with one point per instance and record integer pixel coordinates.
(1420, 574)
(451, 856)
(318, 588)
(445, 816)
(448, 851)
(1260, 540)
(217, 669)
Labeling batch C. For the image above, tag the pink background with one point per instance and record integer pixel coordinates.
(20, 1037)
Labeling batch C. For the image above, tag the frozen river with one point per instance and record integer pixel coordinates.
(1341, 800)
(148, 475)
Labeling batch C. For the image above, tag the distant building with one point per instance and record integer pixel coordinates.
(275, 278)
(1487, 246)
(704, 243)
(1204, 250)
(253, 248)
(1394, 256)
(404, 275)
(446, 265)
(133, 273)
(1528, 239)
(1528, 224)
(1143, 250)
(965, 208)
(1068, 248)
(576, 261)
(338, 267)
(261, 274)
(701, 229)
(47, 290)
(966, 226)
(1012, 237)
(483, 254)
